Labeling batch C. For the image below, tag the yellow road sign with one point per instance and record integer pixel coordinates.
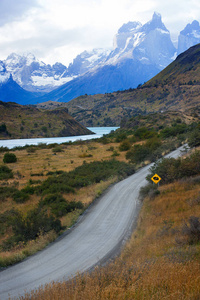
(155, 178)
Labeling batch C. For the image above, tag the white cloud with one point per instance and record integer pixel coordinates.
(59, 30)
(11, 10)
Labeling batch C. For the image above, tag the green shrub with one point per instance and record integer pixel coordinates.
(57, 149)
(36, 222)
(194, 138)
(138, 154)
(84, 175)
(143, 133)
(111, 148)
(20, 196)
(115, 153)
(120, 137)
(59, 206)
(3, 149)
(174, 130)
(3, 128)
(9, 158)
(31, 150)
(6, 192)
(125, 145)
(5, 173)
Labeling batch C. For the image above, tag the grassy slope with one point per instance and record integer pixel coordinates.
(157, 263)
(30, 122)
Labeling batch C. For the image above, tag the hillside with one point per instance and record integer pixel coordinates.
(177, 87)
(19, 121)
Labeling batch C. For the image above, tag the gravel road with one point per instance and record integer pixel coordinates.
(101, 231)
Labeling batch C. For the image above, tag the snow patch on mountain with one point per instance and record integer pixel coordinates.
(34, 75)
(4, 74)
(51, 81)
(148, 43)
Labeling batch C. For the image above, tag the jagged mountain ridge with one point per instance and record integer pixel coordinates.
(177, 88)
(140, 52)
(11, 91)
(36, 76)
(189, 37)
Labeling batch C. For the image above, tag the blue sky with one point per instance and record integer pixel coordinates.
(59, 30)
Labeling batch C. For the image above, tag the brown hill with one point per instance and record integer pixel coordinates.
(177, 87)
(17, 121)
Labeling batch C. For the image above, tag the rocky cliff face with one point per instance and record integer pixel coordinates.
(149, 43)
(189, 37)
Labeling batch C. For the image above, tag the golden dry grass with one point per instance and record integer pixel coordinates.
(41, 162)
(157, 262)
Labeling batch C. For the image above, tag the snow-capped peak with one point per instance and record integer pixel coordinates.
(4, 75)
(147, 43)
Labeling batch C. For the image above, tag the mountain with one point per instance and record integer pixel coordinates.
(149, 43)
(19, 121)
(189, 37)
(11, 91)
(34, 75)
(88, 60)
(140, 52)
(177, 88)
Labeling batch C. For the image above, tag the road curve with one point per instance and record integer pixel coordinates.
(102, 229)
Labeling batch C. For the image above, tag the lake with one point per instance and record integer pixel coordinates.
(99, 132)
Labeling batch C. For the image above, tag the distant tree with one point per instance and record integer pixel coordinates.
(3, 128)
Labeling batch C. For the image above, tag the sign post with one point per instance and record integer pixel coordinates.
(156, 178)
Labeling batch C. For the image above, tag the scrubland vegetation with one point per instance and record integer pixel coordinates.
(44, 191)
(161, 261)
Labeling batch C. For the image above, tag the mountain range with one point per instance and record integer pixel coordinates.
(139, 53)
(175, 88)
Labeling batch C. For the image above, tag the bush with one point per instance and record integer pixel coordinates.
(120, 137)
(174, 130)
(36, 222)
(194, 138)
(115, 153)
(143, 133)
(138, 154)
(57, 149)
(31, 149)
(84, 175)
(125, 145)
(5, 173)
(59, 206)
(20, 196)
(6, 192)
(9, 158)
(151, 150)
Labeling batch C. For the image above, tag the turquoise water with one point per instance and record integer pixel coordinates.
(99, 132)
